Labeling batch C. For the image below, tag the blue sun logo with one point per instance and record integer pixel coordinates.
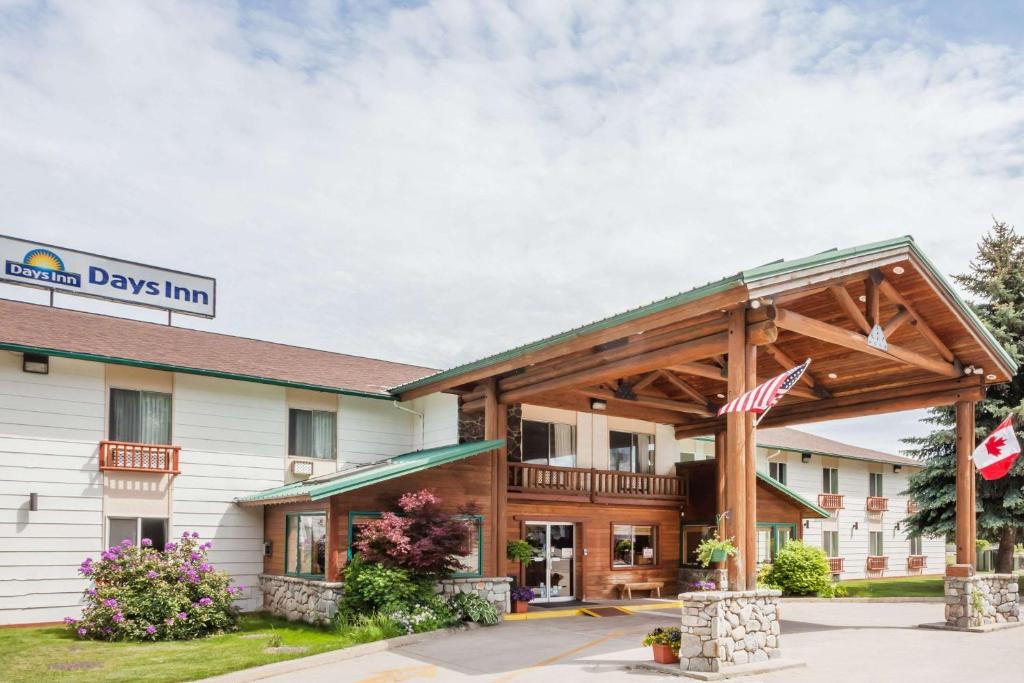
(44, 259)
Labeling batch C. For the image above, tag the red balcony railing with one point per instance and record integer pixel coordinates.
(572, 482)
(917, 562)
(877, 504)
(830, 501)
(877, 563)
(911, 506)
(835, 565)
(121, 456)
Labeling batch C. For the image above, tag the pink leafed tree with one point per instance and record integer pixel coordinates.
(419, 536)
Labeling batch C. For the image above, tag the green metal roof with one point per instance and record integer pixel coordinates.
(332, 484)
(743, 278)
(790, 493)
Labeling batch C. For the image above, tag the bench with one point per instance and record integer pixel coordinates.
(653, 586)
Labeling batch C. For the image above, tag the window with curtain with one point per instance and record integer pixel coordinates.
(916, 546)
(829, 480)
(875, 485)
(777, 471)
(877, 544)
(140, 416)
(630, 452)
(634, 545)
(135, 529)
(830, 543)
(549, 443)
(312, 433)
(305, 544)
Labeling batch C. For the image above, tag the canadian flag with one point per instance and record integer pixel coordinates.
(996, 454)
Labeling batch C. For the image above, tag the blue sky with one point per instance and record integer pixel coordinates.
(432, 182)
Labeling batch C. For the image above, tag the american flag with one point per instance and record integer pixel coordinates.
(764, 396)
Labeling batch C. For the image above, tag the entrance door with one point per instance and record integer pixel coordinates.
(551, 574)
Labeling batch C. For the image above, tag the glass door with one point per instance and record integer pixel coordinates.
(551, 573)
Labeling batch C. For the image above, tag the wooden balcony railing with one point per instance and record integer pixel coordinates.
(877, 504)
(917, 562)
(577, 482)
(877, 563)
(830, 501)
(121, 456)
(911, 506)
(835, 565)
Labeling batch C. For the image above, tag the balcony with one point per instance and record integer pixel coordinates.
(877, 504)
(830, 501)
(581, 484)
(835, 565)
(877, 563)
(917, 562)
(911, 506)
(121, 456)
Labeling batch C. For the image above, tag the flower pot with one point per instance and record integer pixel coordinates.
(719, 555)
(519, 606)
(663, 654)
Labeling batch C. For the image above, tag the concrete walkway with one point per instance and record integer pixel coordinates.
(841, 643)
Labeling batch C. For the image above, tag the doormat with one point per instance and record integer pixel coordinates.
(560, 605)
(606, 612)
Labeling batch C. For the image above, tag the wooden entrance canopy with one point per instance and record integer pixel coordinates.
(678, 360)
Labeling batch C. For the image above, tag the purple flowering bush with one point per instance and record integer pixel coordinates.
(141, 593)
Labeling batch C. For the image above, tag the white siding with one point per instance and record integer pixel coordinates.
(440, 422)
(233, 441)
(370, 429)
(50, 428)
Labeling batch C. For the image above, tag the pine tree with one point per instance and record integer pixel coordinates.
(996, 285)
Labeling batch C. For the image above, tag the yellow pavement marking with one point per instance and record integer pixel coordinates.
(562, 655)
(559, 613)
(406, 673)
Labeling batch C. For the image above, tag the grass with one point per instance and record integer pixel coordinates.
(53, 654)
(901, 587)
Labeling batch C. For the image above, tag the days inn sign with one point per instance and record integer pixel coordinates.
(79, 272)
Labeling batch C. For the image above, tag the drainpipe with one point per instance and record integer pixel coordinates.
(423, 426)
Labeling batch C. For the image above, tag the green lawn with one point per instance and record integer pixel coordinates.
(902, 587)
(52, 654)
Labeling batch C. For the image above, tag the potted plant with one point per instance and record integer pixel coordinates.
(521, 597)
(664, 642)
(714, 549)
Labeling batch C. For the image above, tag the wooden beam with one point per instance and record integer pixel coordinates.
(871, 298)
(816, 329)
(965, 503)
(652, 360)
(720, 494)
(783, 359)
(491, 424)
(850, 307)
(646, 380)
(901, 316)
(501, 493)
(572, 400)
(762, 333)
(684, 387)
(735, 478)
(750, 471)
(889, 292)
(648, 401)
(699, 370)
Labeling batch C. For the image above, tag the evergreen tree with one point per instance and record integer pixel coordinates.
(996, 285)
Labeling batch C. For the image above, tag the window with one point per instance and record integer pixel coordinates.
(356, 522)
(312, 433)
(691, 537)
(140, 416)
(305, 544)
(877, 546)
(875, 485)
(829, 480)
(135, 529)
(915, 546)
(771, 538)
(631, 452)
(549, 443)
(777, 471)
(634, 546)
(471, 554)
(830, 543)
(764, 545)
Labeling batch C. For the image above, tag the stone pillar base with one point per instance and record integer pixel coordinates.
(722, 629)
(981, 600)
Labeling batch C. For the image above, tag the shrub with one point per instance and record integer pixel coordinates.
(763, 571)
(141, 593)
(368, 628)
(419, 537)
(800, 569)
(471, 607)
(373, 588)
(519, 551)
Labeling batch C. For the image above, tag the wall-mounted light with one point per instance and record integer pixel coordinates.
(755, 304)
(268, 548)
(805, 457)
(807, 524)
(36, 363)
(33, 502)
(897, 526)
(598, 404)
(969, 370)
(979, 371)
(856, 525)
(897, 468)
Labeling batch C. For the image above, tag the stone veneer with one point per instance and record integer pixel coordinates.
(728, 628)
(295, 599)
(975, 601)
(495, 590)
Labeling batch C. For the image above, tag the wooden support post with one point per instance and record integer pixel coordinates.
(491, 407)
(965, 522)
(750, 474)
(720, 495)
(501, 537)
(735, 475)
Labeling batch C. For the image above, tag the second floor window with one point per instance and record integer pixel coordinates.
(549, 443)
(777, 471)
(877, 546)
(140, 416)
(875, 485)
(915, 546)
(830, 543)
(829, 480)
(312, 433)
(630, 452)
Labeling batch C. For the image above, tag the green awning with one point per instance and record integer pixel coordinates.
(794, 496)
(357, 477)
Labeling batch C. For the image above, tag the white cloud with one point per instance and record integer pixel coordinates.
(436, 183)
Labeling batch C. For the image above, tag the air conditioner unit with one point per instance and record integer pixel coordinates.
(302, 467)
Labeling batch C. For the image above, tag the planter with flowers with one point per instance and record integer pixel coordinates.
(521, 597)
(664, 642)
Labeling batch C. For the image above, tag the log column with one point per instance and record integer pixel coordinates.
(735, 447)
(499, 489)
(965, 501)
(750, 473)
(720, 494)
